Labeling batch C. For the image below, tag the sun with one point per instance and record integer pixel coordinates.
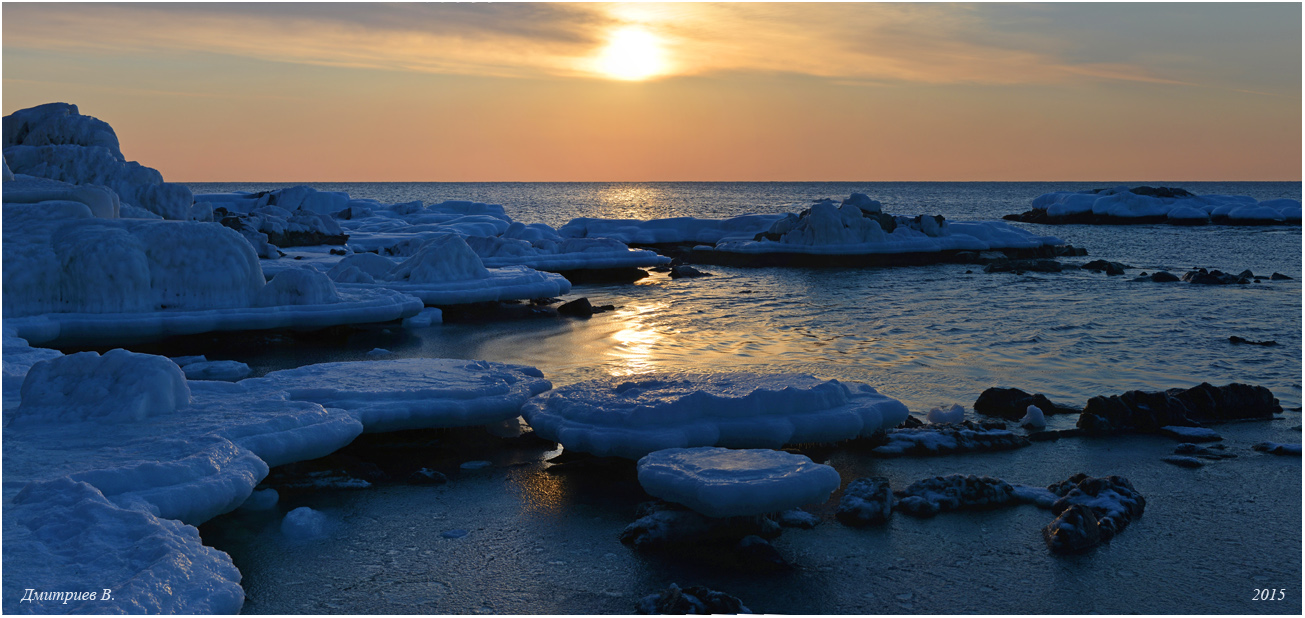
(632, 54)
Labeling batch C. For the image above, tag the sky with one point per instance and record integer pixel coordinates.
(344, 92)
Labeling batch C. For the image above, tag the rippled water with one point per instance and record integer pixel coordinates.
(925, 335)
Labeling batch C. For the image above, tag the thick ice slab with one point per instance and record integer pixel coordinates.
(411, 393)
(636, 415)
(1159, 205)
(721, 482)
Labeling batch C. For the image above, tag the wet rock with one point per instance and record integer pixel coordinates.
(1215, 452)
(579, 308)
(1183, 461)
(1110, 268)
(1112, 499)
(1212, 277)
(1147, 412)
(1012, 404)
(660, 269)
(664, 524)
(866, 501)
(1074, 530)
(339, 252)
(1164, 277)
(910, 422)
(949, 438)
(426, 476)
(1235, 340)
(692, 600)
(928, 497)
(1278, 277)
(1273, 448)
(682, 272)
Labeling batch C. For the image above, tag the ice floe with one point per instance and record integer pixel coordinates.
(1158, 205)
(721, 482)
(635, 415)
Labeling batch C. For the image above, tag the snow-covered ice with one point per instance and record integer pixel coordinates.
(229, 371)
(941, 439)
(1033, 418)
(635, 415)
(721, 482)
(866, 501)
(672, 230)
(1163, 205)
(1191, 434)
(304, 524)
(953, 414)
(413, 393)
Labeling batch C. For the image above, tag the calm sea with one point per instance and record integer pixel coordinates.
(538, 542)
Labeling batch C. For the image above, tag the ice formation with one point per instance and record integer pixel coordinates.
(1191, 434)
(721, 482)
(229, 371)
(676, 230)
(962, 437)
(1158, 205)
(55, 141)
(391, 395)
(954, 414)
(1033, 418)
(636, 415)
(304, 524)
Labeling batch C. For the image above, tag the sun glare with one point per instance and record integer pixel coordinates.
(633, 54)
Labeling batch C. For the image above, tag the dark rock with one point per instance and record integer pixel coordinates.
(1012, 404)
(1159, 191)
(1236, 340)
(1110, 268)
(1112, 499)
(866, 501)
(1075, 529)
(1246, 274)
(949, 438)
(911, 422)
(1164, 277)
(1278, 277)
(697, 600)
(681, 272)
(660, 269)
(1273, 448)
(579, 307)
(426, 476)
(928, 497)
(1213, 277)
(1183, 461)
(1050, 436)
(604, 308)
(969, 272)
(1147, 412)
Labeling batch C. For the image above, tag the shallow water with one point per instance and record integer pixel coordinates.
(925, 335)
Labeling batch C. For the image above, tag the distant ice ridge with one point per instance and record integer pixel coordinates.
(635, 415)
(55, 141)
(110, 459)
(1162, 204)
(677, 230)
(721, 482)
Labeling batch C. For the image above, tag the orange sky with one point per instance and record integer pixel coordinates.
(491, 92)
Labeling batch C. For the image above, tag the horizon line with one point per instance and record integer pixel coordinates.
(681, 181)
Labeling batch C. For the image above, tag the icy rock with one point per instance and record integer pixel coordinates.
(413, 393)
(759, 555)
(1215, 452)
(429, 316)
(1075, 529)
(666, 231)
(929, 497)
(1274, 448)
(963, 437)
(1012, 404)
(1191, 434)
(119, 387)
(1183, 461)
(426, 476)
(304, 524)
(1033, 418)
(635, 415)
(1112, 499)
(298, 286)
(261, 500)
(58, 531)
(797, 518)
(229, 371)
(662, 524)
(55, 141)
(954, 414)
(1147, 412)
(720, 482)
(866, 501)
(692, 600)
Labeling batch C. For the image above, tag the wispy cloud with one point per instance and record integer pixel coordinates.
(919, 43)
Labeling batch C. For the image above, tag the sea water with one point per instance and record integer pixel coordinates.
(926, 335)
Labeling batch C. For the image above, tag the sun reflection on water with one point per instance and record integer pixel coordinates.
(635, 342)
(633, 201)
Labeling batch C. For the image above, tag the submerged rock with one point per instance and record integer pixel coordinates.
(946, 439)
(1110, 268)
(866, 501)
(682, 272)
(691, 600)
(1238, 340)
